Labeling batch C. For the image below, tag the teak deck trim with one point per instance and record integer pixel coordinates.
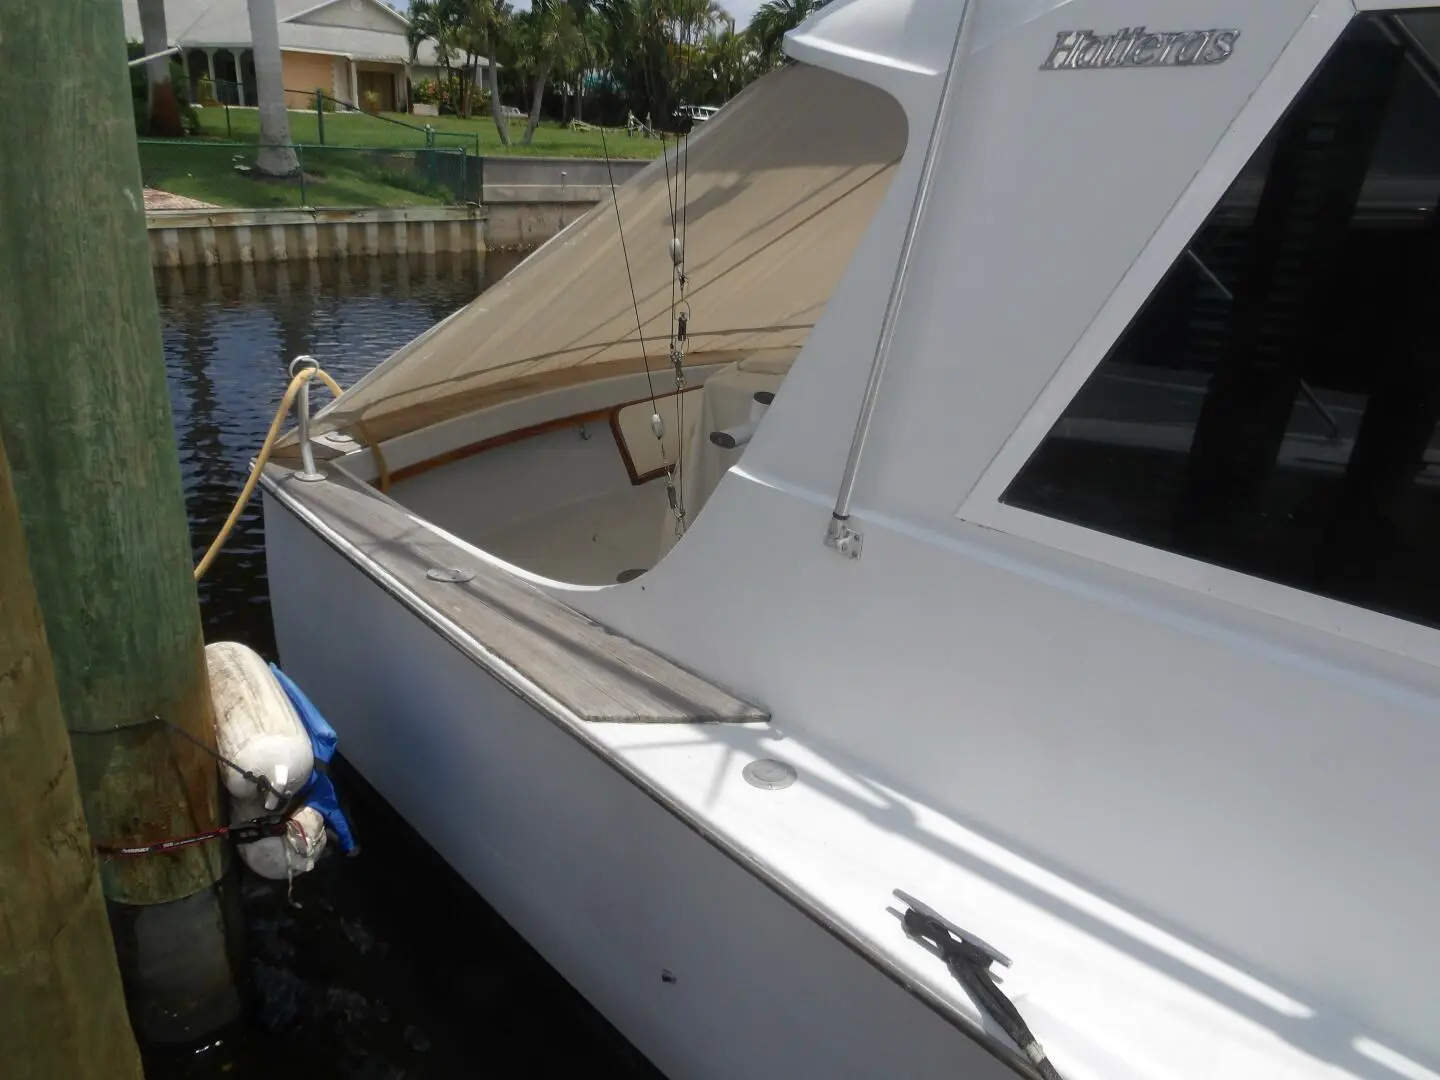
(460, 453)
(637, 478)
(591, 672)
(609, 415)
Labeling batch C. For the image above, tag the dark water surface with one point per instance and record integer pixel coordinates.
(391, 966)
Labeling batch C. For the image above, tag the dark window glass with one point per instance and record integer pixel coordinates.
(1273, 408)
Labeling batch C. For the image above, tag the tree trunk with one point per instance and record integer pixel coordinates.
(164, 109)
(85, 418)
(276, 155)
(466, 105)
(537, 96)
(64, 1012)
(492, 79)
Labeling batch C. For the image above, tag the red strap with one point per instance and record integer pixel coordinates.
(159, 847)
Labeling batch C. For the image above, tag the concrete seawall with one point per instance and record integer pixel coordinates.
(526, 201)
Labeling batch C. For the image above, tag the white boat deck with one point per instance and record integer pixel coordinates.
(592, 542)
(1106, 993)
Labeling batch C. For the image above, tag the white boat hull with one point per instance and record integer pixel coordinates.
(704, 967)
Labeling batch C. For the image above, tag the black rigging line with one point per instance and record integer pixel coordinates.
(676, 258)
(683, 165)
(684, 203)
(634, 300)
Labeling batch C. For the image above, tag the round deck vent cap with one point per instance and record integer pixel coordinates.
(769, 774)
(450, 575)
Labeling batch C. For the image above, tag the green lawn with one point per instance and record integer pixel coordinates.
(360, 129)
(205, 169)
(365, 161)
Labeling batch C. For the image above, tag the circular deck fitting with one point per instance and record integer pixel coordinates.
(769, 774)
(454, 576)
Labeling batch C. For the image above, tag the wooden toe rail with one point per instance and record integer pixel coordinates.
(594, 673)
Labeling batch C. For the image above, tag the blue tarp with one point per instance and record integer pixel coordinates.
(320, 792)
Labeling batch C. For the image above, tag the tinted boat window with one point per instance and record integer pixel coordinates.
(1273, 408)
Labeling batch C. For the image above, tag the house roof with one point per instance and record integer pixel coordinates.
(342, 27)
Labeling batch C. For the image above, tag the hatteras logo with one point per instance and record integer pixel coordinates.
(1137, 47)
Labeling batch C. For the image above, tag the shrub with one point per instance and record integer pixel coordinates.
(448, 97)
(425, 92)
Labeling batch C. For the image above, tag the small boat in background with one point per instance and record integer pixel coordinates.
(688, 116)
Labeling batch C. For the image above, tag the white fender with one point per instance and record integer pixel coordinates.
(281, 857)
(256, 727)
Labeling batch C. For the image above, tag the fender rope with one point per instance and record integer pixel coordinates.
(263, 457)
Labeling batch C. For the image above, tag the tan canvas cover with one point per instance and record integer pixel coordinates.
(778, 190)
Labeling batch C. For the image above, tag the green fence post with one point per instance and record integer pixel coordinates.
(228, 133)
(300, 160)
(320, 113)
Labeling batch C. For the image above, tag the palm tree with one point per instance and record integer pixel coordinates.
(492, 21)
(276, 155)
(547, 36)
(590, 53)
(651, 44)
(775, 19)
(427, 24)
(659, 53)
(465, 30)
(726, 59)
(621, 22)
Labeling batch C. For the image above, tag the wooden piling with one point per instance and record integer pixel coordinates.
(85, 416)
(63, 1011)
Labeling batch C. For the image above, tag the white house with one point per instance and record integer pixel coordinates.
(344, 47)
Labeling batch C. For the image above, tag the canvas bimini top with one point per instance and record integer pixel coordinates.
(772, 200)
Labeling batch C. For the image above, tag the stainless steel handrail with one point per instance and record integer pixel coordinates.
(839, 535)
(302, 420)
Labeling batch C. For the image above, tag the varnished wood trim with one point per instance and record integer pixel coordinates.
(460, 453)
(637, 479)
(610, 414)
(624, 448)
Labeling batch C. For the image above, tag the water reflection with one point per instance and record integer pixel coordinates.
(229, 334)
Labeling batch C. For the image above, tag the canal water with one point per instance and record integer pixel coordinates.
(385, 965)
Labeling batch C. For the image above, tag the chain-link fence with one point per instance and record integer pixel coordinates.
(234, 174)
(318, 117)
